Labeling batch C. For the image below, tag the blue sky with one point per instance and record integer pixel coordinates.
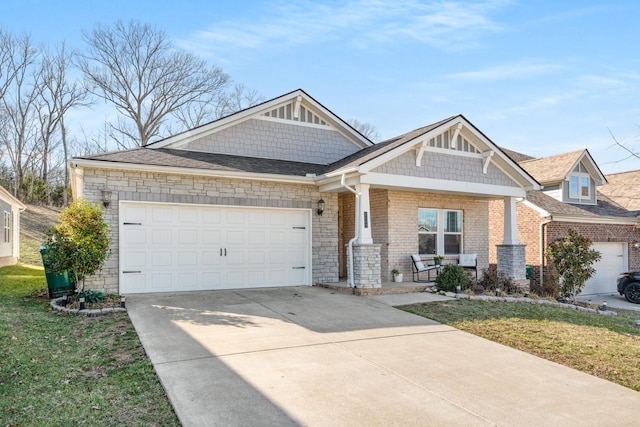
(540, 77)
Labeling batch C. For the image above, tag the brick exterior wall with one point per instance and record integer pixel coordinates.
(394, 221)
(170, 188)
(529, 222)
(271, 139)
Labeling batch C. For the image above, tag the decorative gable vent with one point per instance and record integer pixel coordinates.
(460, 143)
(287, 112)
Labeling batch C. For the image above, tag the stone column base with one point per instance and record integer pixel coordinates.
(512, 263)
(366, 266)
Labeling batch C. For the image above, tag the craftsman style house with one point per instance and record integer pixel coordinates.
(286, 193)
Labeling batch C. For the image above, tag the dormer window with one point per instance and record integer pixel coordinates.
(580, 186)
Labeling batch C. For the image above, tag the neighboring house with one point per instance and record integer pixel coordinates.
(236, 203)
(10, 208)
(576, 195)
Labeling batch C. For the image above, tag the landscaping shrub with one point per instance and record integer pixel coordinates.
(452, 275)
(491, 280)
(80, 243)
(573, 259)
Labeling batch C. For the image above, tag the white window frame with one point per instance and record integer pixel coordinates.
(580, 177)
(7, 227)
(440, 233)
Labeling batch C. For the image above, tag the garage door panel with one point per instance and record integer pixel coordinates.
(134, 282)
(188, 216)
(134, 259)
(135, 236)
(257, 237)
(212, 237)
(210, 258)
(187, 258)
(256, 258)
(613, 261)
(161, 281)
(235, 238)
(161, 236)
(160, 258)
(179, 247)
(161, 214)
(278, 257)
(188, 237)
(278, 237)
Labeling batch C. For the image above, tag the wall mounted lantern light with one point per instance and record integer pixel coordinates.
(320, 207)
(106, 198)
(635, 245)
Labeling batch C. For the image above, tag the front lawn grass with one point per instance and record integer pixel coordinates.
(59, 369)
(605, 346)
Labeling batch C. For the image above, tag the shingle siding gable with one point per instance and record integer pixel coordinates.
(277, 140)
(445, 166)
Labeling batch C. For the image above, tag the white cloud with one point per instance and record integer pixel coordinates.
(361, 23)
(517, 70)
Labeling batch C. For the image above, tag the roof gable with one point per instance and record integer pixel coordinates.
(454, 136)
(555, 169)
(283, 115)
(7, 197)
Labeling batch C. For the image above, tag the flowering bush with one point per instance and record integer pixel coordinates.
(80, 243)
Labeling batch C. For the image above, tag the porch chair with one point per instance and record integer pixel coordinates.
(469, 261)
(419, 267)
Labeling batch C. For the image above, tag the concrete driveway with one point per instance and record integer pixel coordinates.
(310, 356)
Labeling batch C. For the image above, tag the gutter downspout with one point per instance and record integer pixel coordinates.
(350, 280)
(541, 242)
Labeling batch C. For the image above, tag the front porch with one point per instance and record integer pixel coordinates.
(387, 288)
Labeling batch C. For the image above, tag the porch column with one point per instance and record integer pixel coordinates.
(363, 221)
(510, 222)
(512, 257)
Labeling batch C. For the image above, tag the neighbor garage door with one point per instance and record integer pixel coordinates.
(169, 247)
(612, 262)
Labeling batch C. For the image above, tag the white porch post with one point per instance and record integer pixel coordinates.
(363, 220)
(510, 222)
(512, 255)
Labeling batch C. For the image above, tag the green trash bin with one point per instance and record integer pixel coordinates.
(528, 272)
(58, 284)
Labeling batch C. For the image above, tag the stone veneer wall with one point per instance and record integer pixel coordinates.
(511, 262)
(171, 188)
(366, 266)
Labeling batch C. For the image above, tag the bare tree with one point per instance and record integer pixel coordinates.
(137, 69)
(630, 150)
(19, 106)
(59, 95)
(366, 129)
(219, 104)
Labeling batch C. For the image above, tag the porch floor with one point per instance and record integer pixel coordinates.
(386, 289)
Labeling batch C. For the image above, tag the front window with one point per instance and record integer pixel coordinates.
(579, 186)
(7, 227)
(439, 231)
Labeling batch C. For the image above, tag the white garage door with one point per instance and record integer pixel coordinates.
(613, 261)
(169, 247)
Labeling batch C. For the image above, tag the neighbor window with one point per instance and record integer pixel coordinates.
(579, 186)
(7, 227)
(439, 231)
